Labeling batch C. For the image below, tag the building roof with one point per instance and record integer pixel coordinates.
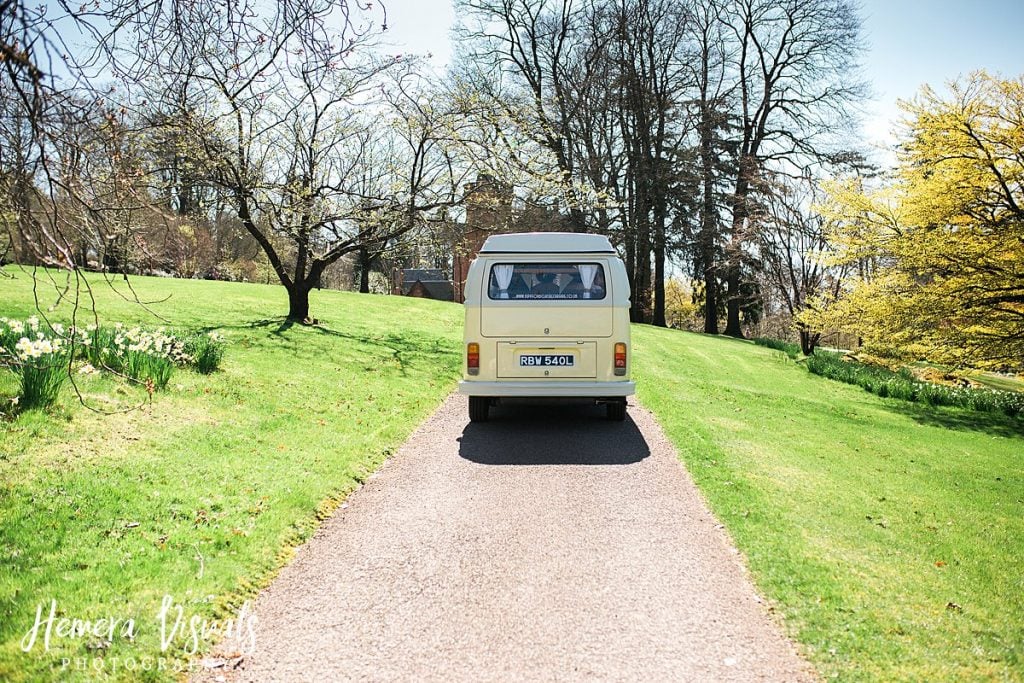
(425, 274)
(442, 290)
(547, 242)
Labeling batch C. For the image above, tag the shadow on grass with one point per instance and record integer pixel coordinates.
(552, 434)
(282, 325)
(961, 420)
(403, 349)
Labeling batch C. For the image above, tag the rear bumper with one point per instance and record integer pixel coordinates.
(544, 389)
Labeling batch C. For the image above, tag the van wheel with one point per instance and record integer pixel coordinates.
(479, 408)
(616, 411)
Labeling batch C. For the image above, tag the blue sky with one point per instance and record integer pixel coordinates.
(913, 42)
(910, 42)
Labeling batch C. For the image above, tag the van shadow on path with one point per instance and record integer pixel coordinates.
(552, 434)
(547, 544)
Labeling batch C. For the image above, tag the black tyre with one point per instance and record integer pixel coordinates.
(616, 411)
(479, 408)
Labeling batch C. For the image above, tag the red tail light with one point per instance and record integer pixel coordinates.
(473, 358)
(620, 358)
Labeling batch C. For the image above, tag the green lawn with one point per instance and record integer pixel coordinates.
(889, 535)
(200, 494)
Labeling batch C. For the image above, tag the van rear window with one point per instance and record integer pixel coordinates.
(525, 281)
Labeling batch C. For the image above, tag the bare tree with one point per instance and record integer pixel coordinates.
(269, 90)
(651, 37)
(793, 240)
(279, 106)
(530, 42)
(795, 81)
(712, 54)
(601, 86)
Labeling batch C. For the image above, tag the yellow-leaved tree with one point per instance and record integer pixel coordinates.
(939, 247)
(680, 310)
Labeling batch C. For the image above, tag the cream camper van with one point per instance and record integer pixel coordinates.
(547, 316)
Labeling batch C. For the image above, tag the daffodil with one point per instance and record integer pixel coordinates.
(24, 348)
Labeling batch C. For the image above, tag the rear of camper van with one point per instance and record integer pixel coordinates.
(547, 316)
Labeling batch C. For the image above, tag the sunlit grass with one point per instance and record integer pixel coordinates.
(200, 493)
(890, 535)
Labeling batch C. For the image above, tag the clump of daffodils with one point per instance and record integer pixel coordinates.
(14, 326)
(206, 351)
(83, 336)
(40, 347)
(42, 352)
(23, 342)
(39, 360)
(158, 343)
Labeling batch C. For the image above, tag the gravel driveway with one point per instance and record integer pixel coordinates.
(547, 544)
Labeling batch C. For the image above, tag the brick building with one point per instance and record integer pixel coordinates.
(489, 210)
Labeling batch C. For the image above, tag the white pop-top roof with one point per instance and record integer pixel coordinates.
(546, 243)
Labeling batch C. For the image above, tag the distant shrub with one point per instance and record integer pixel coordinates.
(206, 351)
(904, 386)
(789, 348)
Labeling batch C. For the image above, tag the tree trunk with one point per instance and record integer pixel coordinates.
(710, 301)
(642, 263)
(642, 293)
(658, 317)
(732, 303)
(809, 341)
(298, 302)
(734, 255)
(629, 246)
(709, 222)
(364, 271)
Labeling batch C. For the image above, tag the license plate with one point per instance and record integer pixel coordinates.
(565, 360)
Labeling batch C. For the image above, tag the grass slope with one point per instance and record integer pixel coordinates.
(890, 535)
(199, 494)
